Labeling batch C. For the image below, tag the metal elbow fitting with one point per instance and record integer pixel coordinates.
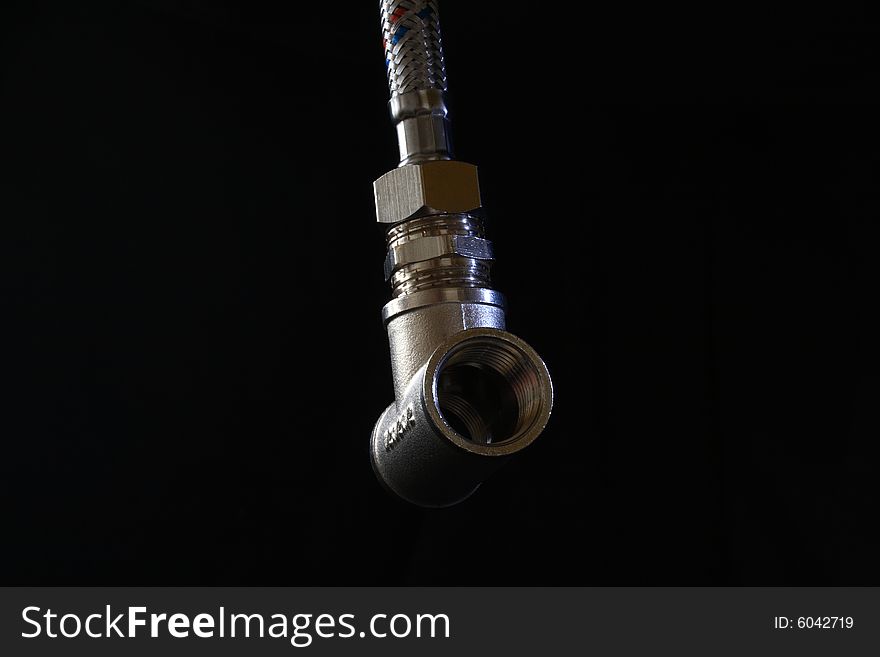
(468, 394)
(481, 396)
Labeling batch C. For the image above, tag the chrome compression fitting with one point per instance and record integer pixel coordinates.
(468, 394)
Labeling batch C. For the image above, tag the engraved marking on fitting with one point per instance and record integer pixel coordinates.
(436, 246)
(394, 434)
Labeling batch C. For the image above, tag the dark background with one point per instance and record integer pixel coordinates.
(685, 206)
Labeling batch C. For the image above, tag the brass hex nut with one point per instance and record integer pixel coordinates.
(433, 187)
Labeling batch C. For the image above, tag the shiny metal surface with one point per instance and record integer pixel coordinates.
(422, 125)
(438, 295)
(438, 441)
(468, 394)
(435, 246)
(416, 79)
(423, 138)
(435, 187)
(418, 102)
(446, 250)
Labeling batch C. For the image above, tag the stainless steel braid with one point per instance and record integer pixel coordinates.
(413, 50)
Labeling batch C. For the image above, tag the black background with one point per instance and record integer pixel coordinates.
(684, 205)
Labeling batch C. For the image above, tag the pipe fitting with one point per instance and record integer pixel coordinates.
(432, 187)
(482, 396)
(468, 394)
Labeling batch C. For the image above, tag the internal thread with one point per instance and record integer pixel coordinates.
(446, 271)
(489, 391)
(465, 418)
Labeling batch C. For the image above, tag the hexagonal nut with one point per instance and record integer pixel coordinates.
(426, 188)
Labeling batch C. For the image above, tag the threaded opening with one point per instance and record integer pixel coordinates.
(489, 391)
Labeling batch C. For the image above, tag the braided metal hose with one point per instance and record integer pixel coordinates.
(416, 78)
(413, 48)
(468, 394)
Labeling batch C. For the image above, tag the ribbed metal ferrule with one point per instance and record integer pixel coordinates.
(445, 271)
